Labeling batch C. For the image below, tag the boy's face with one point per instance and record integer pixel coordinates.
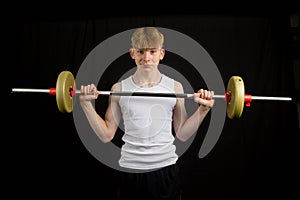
(148, 57)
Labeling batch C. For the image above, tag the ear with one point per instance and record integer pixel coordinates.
(131, 52)
(162, 54)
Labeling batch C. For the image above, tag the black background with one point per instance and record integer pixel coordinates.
(256, 155)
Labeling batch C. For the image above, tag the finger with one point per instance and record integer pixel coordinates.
(84, 90)
(88, 89)
(93, 88)
(200, 92)
(211, 94)
(205, 94)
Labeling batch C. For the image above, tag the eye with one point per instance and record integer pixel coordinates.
(141, 52)
(153, 51)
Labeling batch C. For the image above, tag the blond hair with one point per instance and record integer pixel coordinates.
(147, 37)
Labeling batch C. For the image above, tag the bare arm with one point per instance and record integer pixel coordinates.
(184, 125)
(105, 128)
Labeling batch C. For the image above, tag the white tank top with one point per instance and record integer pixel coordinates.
(147, 126)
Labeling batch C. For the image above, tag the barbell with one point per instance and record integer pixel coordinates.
(234, 96)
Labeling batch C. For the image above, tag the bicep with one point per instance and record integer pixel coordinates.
(179, 114)
(113, 112)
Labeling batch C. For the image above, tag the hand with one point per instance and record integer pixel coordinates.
(204, 98)
(88, 93)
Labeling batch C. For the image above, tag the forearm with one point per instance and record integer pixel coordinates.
(98, 124)
(191, 125)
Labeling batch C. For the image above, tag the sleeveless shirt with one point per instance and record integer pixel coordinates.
(148, 138)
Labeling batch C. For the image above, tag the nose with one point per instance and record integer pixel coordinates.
(146, 55)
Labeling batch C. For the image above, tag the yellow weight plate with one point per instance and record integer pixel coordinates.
(64, 83)
(236, 89)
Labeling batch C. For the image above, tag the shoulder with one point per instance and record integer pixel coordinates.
(116, 87)
(176, 84)
(178, 87)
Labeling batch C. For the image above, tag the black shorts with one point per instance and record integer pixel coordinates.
(161, 184)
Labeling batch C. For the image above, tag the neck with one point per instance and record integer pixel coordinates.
(147, 79)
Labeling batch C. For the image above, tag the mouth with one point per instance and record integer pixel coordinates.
(146, 65)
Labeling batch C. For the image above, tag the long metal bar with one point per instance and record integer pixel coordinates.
(151, 94)
(271, 98)
(30, 90)
(179, 95)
